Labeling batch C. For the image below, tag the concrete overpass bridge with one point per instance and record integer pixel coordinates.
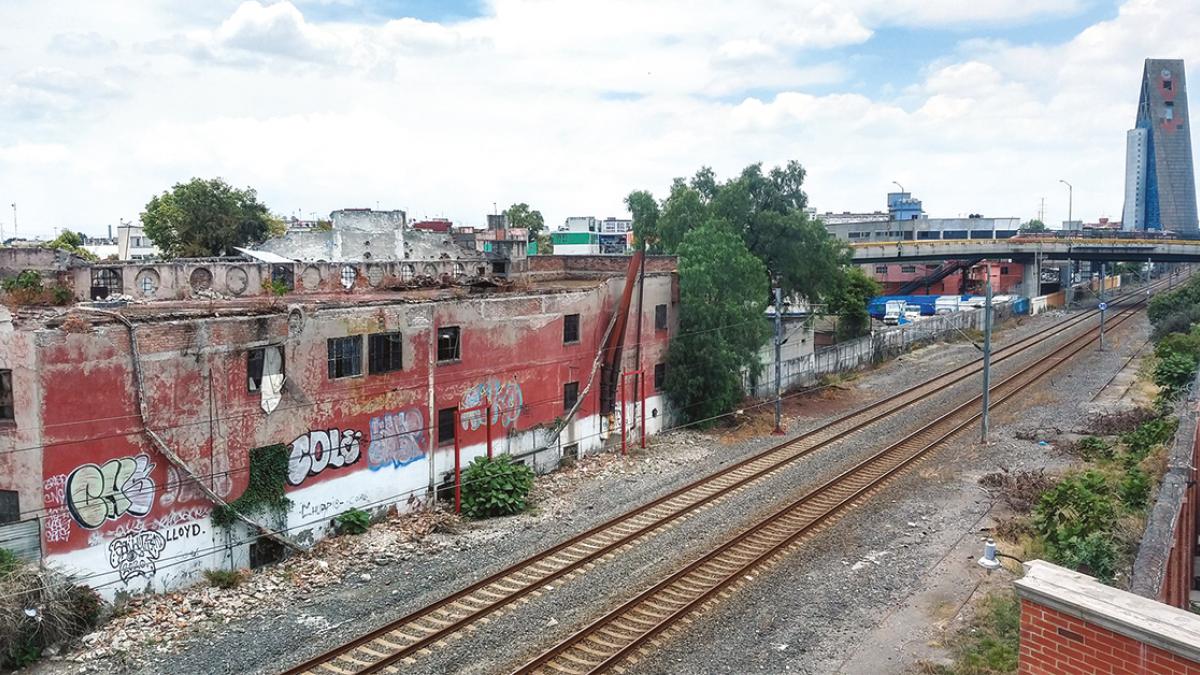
(1030, 251)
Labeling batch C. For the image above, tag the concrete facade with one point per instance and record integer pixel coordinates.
(1134, 215)
(95, 417)
(921, 229)
(1170, 183)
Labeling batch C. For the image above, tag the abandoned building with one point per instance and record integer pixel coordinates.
(130, 422)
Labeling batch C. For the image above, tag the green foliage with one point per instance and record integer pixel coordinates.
(1185, 344)
(205, 218)
(520, 215)
(992, 644)
(1078, 506)
(27, 280)
(849, 303)
(1134, 489)
(1092, 448)
(275, 287)
(1174, 373)
(1147, 436)
(353, 521)
(644, 209)
(8, 561)
(1096, 554)
(765, 210)
(72, 242)
(1176, 311)
(495, 487)
(264, 488)
(723, 292)
(225, 578)
(1034, 225)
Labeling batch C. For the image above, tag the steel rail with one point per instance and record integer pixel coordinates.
(412, 634)
(617, 636)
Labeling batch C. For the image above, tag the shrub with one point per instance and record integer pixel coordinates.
(64, 611)
(992, 643)
(224, 578)
(1148, 436)
(264, 491)
(354, 521)
(8, 561)
(1096, 554)
(1078, 506)
(1186, 344)
(1134, 489)
(495, 487)
(1092, 448)
(1174, 373)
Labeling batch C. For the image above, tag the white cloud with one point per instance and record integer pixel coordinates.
(567, 105)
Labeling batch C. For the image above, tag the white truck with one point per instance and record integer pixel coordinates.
(893, 312)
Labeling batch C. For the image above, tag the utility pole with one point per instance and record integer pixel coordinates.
(1103, 305)
(1042, 211)
(778, 365)
(14, 219)
(1070, 202)
(987, 359)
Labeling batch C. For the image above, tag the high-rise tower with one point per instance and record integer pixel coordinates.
(1160, 185)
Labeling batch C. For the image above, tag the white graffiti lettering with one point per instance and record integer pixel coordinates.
(396, 439)
(504, 397)
(134, 554)
(316, 451)
(95, 494)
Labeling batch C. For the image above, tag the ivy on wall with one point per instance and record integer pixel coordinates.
(264, 491)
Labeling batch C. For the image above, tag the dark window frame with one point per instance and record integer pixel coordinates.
(344, 356)
(385, 352)
(255, 359)
(570, 395)
(660, 376)
(908, 269)
(660, 317)
(8, 411)
(881, 269)
(446, 426)
(449, 349)
(571, 331)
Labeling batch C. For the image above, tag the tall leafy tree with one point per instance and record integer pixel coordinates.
(723, 293)
(205, 218)
(849, 302)
(71, 242)
(520, 215)
(767, 210)
(1034, 225)
(644, 209)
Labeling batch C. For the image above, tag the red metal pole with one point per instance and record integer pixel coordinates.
(642, 382)
(488, 412)
(457, 466)
(623, 414)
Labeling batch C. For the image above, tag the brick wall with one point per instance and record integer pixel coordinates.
(1072, 624)
(1054, 642)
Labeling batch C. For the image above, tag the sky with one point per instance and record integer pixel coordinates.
(453, 108)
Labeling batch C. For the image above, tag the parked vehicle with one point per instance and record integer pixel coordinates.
(893, 312)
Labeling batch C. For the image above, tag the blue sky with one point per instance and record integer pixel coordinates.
(444, 108)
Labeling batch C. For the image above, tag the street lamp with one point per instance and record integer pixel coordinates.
(1070, 200)
(898, 185)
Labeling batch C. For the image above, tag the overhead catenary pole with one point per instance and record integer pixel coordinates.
(1070, 203)
(1103, 305)
(778, 365)
(987, 359)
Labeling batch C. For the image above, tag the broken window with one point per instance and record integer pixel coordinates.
(570, 328)
(660, 317)
(570, 395)
(384, 353)
(349, 276)
(345, 356)
(660, 376)
(446, 425)
(459, 271)
(10, 506)
(259, 364)
(448, 344)
(7, 413)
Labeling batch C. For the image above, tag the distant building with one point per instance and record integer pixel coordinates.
(586, 235)
(133, 244)
(1103, 224)
(1160, 184)
(906, 221)
(433, 225)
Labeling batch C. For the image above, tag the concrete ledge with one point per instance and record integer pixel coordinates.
(1078, 595)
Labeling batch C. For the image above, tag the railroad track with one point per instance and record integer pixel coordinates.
(623, 635)
(402, 640)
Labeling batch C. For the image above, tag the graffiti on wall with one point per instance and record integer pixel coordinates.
(316, 451)
(56, 526)
(396, 439)
(135, 553)
(179, 489)
(505, 398)
(95, 494)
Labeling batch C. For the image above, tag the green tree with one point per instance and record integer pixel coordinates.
(723, 292)
(767, 211)
(849, 302)
(645, 218)
(73, 243)
(520, 215)
(1034, 225)
(204, 218)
